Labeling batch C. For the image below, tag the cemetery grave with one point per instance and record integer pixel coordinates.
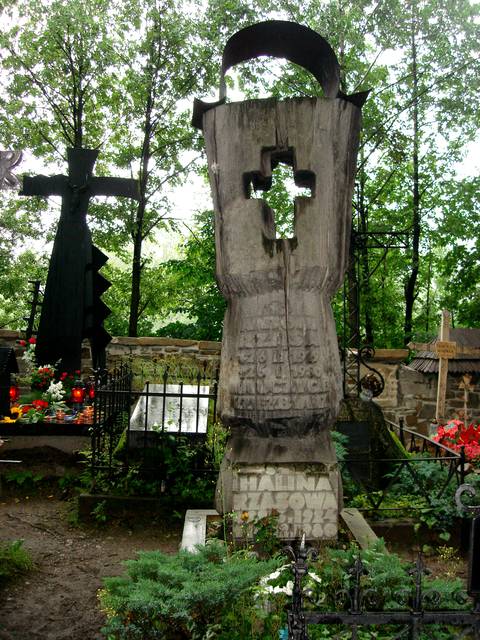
(294, 461)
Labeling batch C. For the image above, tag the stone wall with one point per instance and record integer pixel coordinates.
(412, 395)
(124, 348)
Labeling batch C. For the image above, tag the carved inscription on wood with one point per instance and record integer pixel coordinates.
(279, 372)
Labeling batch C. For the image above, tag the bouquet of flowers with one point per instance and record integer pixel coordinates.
(456, 435)
(41, 377)
(68, 380)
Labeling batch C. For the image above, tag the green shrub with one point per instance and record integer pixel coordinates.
(386, 578)
(211, 595)
(182, 596)
(14, 560)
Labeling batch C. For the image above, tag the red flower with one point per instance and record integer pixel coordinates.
(40, 404)
(32, 340)
(26, 408)
(22, 343)
(78, 372)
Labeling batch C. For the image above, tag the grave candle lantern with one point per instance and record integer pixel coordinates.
(14, 393)
(78, 393)
(90, 390)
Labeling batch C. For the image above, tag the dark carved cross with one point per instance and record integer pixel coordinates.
(263, 180)
(71, 308)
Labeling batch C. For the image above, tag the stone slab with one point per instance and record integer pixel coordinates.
(164, 411)
(195, 528)
(359, 527)
(305, 500)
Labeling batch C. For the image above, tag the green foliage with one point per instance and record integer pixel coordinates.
(424, 490)
(14, 561)
(24, 479)
(180, 596)
(192, 290)
(174, 466)
(99, 513)
(232, 597)
(217, 436)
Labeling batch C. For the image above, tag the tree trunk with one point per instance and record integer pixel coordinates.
(410, 286)
(136, 271)
(138, 231)
(365, 291)
(352, 320)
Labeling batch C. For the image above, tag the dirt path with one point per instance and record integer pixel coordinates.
(58, 600)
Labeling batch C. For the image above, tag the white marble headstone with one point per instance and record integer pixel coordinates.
(171, 419)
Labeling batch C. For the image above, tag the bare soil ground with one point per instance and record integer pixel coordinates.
(58, 600)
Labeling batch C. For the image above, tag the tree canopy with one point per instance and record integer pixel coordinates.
(121, 76)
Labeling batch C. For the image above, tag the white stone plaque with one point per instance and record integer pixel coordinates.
(171, 421)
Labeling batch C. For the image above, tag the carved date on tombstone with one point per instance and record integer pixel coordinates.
(280, 384)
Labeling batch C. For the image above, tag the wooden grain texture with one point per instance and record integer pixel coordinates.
(280, 357)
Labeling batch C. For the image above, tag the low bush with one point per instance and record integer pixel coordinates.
(183, 596)
(213, 595)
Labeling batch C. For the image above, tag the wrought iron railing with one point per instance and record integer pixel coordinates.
(424, 450)
(418, 615)
(130, 423)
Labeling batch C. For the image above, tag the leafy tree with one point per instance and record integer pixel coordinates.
(458, 263)
(191, 286)
(417, 120)
(176, 58)
(59, 59)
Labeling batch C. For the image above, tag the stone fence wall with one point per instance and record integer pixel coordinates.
(149, 348)
(412, 395)
(408, 394)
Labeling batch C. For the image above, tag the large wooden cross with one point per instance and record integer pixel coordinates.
(445, 350)
(71, 308)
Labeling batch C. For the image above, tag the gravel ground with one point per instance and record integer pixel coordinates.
(58, 600)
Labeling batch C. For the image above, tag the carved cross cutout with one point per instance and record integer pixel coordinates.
(279, 184)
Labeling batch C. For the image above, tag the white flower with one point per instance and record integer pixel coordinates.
(55, 391)
(29, 358)
(265, 588)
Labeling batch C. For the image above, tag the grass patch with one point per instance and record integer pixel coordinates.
(14, 561)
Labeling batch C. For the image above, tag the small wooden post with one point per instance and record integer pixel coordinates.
(445, 350)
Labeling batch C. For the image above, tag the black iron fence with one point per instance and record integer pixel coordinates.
(446, 470)
(141, 423)
(419, 612)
